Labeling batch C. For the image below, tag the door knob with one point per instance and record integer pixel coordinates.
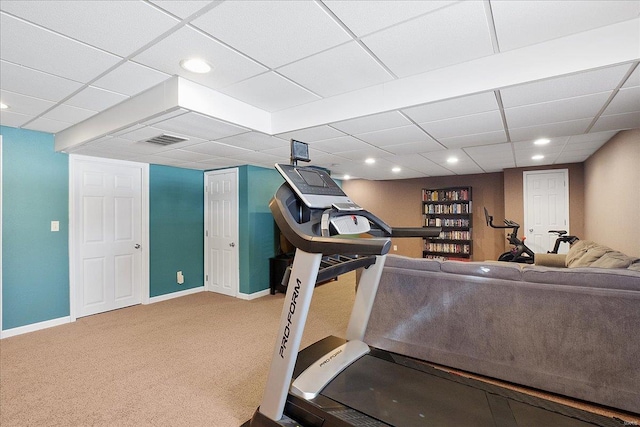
(137, 246)
(232, 244)
(531, 230)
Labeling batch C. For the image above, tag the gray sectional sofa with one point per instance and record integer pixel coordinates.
(570, 331)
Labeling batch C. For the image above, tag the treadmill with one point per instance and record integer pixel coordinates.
(338, 382)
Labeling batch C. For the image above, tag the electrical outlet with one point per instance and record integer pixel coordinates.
(55, 225)
(395, 247)
(180, 278)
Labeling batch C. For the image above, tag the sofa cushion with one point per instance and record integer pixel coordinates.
(586, 277)
(494, 270)
(421, 264)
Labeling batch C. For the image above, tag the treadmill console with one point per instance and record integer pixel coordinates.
(315, 187)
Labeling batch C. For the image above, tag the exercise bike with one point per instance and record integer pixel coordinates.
(521, 252)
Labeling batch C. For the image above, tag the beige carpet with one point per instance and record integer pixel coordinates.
(192, 361)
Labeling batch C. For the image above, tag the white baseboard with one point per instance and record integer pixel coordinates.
(34, 327)
(253, 295)
(176, 294)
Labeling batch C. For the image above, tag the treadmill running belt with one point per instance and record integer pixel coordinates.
(402, 396)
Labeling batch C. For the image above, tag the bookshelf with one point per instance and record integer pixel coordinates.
(451, 209)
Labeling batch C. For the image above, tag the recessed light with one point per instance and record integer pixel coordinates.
(195, 65)
(452, 160)
(537, 157)
(3, 106)
(542, 141)
(347, 177)
(370, 161)
(396, 169)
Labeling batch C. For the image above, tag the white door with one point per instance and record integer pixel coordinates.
(546, 198)
(107, 212)
(221, 231)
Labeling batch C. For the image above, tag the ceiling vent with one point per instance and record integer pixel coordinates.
(165, 139)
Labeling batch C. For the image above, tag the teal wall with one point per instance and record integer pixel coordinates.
(35, 260)
(256, 226)
(176, 228)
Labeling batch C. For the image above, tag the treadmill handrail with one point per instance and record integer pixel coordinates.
(317, 244)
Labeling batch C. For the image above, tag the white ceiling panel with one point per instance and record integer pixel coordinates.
(119, 27)
(199, 125)
(183, 8)
(570, 86)
(68, 114)
(589, 137)
(412, 148)
(93, 98)
(130, 78)
(474, 139)
(273, 32)
(337, 145)
(456, 107)
(522, 23)
(186, 156)
(34, 47)
(434, 40)
(317, 133)
(557, 111)
(634, 79)
(338, 70)
(270, 92)
(359, 156)
(490, 121)
(392, 119)
(254, 141)
(365, 16)
(34, 83)
(625, 101)
(401, 135)
(617, 121)
(464, 165)
(212, 148)
(550, 130)
(228, 66)
(13, 119)
(44, 124)
(23, 104)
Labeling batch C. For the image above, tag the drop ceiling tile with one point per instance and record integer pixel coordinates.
(312, 134)
(502, 150)
(464, 165)
(634, 78)
(392, 119)
(412, 148)
(270, 92)
(569, 86)
(182, 8)
(400, 135)
(434, 40)
(573, 157)
(464, 106)
(522, 23)
(69, 114)
(23, 104)
(43, 124)
(26, 81)
(13, 119)
(364, 17)
(184, 155)
(198, 125)
(254, 141)
(617, 122)
(338, 70)
(158, 160)
(337, 145)
(474, 139)
(625, 101)
(130, 79)
(25, 44)
(359, 156)
(228, 66)
(556, 111)
(416, 162)
(212, 148)
(592, 136)
(118, 27)
(273, 32)
(490, 121)
(591, 146)
(550, 130)
(96, 99)
(253, 157)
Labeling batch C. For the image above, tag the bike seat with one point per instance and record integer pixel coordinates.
(558, 232)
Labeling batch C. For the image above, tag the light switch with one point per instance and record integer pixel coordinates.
(55, 225)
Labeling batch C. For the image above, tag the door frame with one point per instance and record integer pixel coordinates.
(236, 172)
(73, 226)
(525, 176)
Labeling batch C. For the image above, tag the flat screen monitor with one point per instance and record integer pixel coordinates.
(314, 186)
